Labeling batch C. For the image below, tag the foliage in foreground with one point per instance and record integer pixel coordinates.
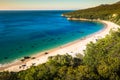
(101, 62)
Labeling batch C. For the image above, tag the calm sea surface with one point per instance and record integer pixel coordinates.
(24, 33)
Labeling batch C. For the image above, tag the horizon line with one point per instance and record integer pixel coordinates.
(43, 9)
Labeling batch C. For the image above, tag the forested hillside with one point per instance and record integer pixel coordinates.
(103, 12)
(101, 60)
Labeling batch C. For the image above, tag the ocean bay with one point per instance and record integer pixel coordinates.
(24, 33)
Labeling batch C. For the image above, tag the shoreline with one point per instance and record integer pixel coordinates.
(71, 48)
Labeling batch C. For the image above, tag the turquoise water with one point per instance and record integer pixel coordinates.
(24, 33)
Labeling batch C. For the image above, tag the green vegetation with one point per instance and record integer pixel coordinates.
(103, 12)
(101, 61)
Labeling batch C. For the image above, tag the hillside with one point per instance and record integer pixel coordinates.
(118, 2)
(103, 12)
(101, 61)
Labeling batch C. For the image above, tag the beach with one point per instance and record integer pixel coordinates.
(71, 48)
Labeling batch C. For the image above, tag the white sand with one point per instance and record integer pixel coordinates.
(72, 48)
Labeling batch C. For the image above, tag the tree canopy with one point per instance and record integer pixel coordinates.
(104, 12)
(101, 60)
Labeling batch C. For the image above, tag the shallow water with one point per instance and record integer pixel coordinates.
(24, 33)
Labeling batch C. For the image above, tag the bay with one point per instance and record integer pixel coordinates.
(24, 33)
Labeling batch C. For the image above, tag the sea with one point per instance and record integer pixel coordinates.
(25, 33)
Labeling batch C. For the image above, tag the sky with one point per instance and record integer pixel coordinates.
(51, 4)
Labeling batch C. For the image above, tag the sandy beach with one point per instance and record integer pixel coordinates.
(71, 48)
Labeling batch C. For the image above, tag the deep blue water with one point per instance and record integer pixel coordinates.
(24, 33)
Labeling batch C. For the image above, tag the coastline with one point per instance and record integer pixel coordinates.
(71, 48)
